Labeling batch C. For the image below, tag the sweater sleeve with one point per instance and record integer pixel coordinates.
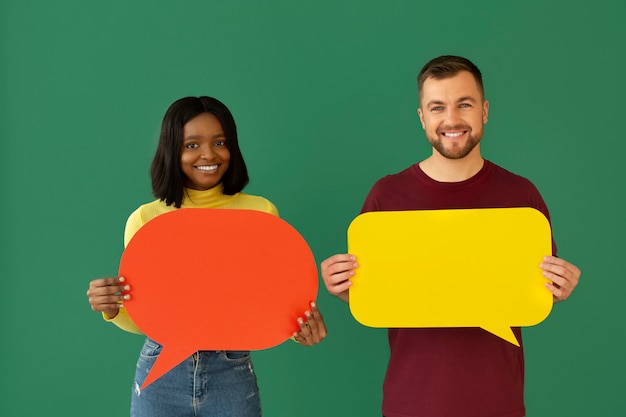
(134, 223)
(272, 209)
(123, 320)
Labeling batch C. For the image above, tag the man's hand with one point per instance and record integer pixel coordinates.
(564, 277)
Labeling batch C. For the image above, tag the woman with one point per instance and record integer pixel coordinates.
(197, 164)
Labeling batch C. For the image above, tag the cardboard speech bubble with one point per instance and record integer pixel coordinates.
(451, 268)
(217, 279)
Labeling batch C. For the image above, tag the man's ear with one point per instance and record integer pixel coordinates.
(485, 111)
(421, 116)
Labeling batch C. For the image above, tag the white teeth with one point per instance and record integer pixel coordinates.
(207, 167)
(453, 135)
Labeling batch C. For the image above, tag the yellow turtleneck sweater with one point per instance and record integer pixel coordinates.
(213, 198)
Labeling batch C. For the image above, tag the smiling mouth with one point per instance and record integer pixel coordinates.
(206, 168)
(453, 134)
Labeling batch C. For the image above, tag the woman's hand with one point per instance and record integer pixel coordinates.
(107, 295)
(313, 330)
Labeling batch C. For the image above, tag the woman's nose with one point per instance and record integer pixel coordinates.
(206, 152)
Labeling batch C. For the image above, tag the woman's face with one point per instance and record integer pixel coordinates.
(204, 158)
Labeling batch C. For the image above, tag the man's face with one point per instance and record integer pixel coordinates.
(453, 112)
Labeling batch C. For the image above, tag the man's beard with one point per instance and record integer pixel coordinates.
(458, 151)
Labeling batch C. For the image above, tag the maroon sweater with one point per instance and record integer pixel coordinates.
(453, 372)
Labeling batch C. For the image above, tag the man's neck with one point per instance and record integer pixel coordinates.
(443, 169)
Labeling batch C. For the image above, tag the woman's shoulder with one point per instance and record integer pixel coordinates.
(254, 202)
(148, 211)
(142, 215)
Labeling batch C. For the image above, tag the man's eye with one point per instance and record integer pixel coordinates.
(436, 108)
(465, 105)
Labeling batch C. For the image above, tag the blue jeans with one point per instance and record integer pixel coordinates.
(207, 384)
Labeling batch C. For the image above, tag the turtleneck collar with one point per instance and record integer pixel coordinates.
(213, 197)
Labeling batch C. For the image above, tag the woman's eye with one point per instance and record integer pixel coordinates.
(191, 145)
(220, 143)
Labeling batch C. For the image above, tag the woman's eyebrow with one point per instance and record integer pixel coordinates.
(216, 136)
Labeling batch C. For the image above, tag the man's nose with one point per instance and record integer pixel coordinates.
(452, 116)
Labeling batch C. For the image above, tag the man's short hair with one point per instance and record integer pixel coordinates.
(448, 66)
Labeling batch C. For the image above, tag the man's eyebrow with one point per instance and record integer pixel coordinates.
(467, 98)
(460, 100)
(433, 102)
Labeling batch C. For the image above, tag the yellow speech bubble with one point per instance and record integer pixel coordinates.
(451, 268)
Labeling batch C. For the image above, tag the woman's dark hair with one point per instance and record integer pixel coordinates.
(168, 180)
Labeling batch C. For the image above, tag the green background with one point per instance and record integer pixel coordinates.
(324, 97)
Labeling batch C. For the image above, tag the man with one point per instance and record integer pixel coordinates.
(452, 372)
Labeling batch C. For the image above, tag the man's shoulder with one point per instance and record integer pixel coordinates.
(504, 175)
(408, 174)
(391, 188)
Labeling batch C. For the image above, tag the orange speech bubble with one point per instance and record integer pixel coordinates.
(217, 279)
(451, 268)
